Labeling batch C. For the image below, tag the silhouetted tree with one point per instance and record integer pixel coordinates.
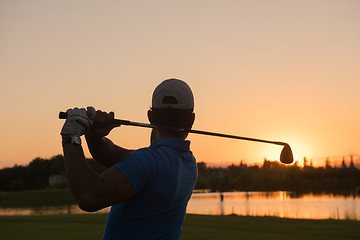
(327, 163)
(343, 164)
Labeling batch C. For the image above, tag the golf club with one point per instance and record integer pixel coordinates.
(286, 155)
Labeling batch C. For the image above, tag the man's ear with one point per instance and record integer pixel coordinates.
(192, 119)
(149, 114)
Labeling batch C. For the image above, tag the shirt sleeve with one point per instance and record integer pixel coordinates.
(138, 168)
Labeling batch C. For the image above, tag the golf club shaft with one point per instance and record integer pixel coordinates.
(63, 115)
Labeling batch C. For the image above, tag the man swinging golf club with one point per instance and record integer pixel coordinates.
(148, 188)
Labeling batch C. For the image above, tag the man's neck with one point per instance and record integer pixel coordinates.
(157, 134)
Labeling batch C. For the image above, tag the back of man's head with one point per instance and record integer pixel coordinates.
(173, 93)
(173, 104)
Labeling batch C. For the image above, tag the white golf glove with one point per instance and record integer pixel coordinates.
(77, 122)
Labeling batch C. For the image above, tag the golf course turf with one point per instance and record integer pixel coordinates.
(91, 226)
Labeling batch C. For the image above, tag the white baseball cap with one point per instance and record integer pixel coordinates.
(173, 93)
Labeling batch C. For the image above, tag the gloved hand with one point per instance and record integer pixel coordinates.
(77, 122)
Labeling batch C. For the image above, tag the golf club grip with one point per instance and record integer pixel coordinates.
(64, 115)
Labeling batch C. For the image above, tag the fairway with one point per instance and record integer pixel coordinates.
(239, 227)
(91, 226)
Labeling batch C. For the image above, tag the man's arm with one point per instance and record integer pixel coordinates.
(93, 191)
(105, 151)
(101, 148)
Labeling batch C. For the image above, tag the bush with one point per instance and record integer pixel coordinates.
(16, 185)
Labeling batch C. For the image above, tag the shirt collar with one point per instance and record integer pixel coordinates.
(177, 143)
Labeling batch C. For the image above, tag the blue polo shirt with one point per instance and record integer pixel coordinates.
(163, 176)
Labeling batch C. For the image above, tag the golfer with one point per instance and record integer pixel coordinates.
(148, 189)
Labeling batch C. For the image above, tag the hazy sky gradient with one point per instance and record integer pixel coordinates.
(279, 70)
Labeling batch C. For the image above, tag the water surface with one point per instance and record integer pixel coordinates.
(278, 204)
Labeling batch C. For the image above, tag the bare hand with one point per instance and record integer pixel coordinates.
(102, 123)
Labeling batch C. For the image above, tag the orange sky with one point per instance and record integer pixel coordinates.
(278, 70)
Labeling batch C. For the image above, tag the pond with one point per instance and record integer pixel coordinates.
(278, 204)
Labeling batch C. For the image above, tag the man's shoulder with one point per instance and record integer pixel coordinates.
(141, 152)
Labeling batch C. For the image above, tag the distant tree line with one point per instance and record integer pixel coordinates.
(271, 176)
(36, 174)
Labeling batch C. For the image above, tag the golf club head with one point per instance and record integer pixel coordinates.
(286, 155)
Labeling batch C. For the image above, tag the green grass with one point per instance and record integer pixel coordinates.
(53, 227)
(238, 227)
(91, 226)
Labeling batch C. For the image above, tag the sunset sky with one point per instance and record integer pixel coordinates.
(272, 69)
